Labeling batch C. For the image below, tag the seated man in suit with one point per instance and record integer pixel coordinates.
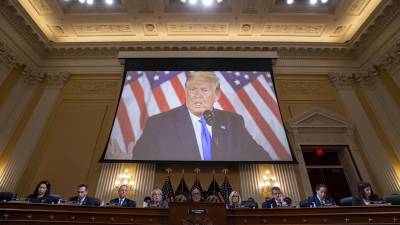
(320, 198)
(122, 200)
(183, 133)
(196, 195)
(82, 198)
(277, 199)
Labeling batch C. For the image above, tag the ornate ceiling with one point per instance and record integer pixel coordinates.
(172, 21)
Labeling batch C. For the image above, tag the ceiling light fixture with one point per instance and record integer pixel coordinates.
(109, 2)
(205, 3)
(312, 2)
(90, 2)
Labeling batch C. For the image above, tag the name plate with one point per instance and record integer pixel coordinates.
(197, 212)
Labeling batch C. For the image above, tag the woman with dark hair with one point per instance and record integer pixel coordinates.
(41, 194)
(365, 194)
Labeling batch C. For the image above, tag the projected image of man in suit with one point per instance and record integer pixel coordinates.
(198, 131)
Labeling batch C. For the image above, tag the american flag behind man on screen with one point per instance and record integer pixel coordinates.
(248, 93)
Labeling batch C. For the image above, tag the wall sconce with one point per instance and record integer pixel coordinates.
(268, 182)
(124, 178)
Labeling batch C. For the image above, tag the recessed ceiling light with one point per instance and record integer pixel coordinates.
(324, 1)
(207, 2)
(109, 2)
(289, 2)
(90, 2)
(193, 2)
(82, 1)
(313, 2)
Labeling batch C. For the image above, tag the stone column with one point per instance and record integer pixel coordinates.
(382, 168)
(384, 107)
(249, 182)
(287, 180)
(108, 175)
(143, 181)
(25, 141)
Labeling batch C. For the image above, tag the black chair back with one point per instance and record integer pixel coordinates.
(303, 203)
(348, 201)
(7, 196)
(392, 199)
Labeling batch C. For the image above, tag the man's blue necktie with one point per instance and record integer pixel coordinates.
(205, 140)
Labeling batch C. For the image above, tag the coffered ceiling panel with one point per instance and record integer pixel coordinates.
(170, 20)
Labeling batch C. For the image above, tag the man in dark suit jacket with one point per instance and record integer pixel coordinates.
(83, 199)
(122, 201)
(176, 134)
(277, 200)
(320, 198)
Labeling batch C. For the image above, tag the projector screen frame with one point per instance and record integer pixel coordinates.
(193, 55)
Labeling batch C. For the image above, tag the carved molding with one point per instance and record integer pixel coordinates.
(22, 27)
(343, 80)
(301, 29)
(283, 51)
(390, 59)
(93, 87)
(375, 28)
(348, 50)
(293, 88)
(7, 56)
(52, 78)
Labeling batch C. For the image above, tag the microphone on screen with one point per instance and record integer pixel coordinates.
(209, 117)
(210, 120)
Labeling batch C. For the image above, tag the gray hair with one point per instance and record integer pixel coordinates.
(207, 76)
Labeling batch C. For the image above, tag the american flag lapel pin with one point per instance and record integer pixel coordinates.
(223, 127)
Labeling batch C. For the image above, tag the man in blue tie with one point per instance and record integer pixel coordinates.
(184, 134)
(122, 200)
(320, 198)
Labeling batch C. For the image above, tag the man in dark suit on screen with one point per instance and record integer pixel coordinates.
(197, 131)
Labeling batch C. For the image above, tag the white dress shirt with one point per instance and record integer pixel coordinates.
(197, 130)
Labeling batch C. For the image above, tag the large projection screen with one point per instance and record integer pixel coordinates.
(159, 113)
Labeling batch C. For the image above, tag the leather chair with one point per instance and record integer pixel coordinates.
(7, 196)
(392, 199)
(303, 203)
(348, 201)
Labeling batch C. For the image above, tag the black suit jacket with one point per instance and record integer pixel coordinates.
(170, 136)
(272, 204)
(127, 202)
(89, 201)
(47, 199)
(315, 200)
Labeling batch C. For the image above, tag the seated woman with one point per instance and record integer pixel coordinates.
(234, 200)
(365, 194)
(41, 194)
(157, 199)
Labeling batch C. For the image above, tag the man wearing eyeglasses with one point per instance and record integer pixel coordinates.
(277, 199)
(83, 199)
(122, 200)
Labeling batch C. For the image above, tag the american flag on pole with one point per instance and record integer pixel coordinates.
(248, 93)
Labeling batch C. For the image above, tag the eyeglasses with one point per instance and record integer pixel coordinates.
(81, 192)
(235, 196)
